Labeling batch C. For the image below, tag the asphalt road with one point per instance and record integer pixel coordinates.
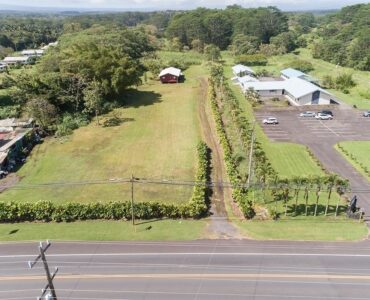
(217, 269)
(321, 136)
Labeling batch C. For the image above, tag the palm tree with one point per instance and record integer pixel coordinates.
(341, 186)
(318, 182)
(330, 181)
(298, 182)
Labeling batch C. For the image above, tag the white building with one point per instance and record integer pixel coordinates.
(241, 70)
(291, 73)
(2, 67)
(33, 52)
(296, 90)
(13, 60)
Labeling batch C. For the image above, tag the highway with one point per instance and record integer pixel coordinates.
(212, 269)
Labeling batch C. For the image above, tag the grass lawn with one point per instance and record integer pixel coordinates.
(104, 230)
(359, 152)
(291, 160)
(308, 229)
(288, 159)
(359, 95)
(157, 139)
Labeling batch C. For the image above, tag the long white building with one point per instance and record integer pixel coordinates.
(298, 91)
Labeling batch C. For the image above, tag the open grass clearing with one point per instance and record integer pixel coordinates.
(309, 229)
(104, 230)
(157, 139)
(358, 154)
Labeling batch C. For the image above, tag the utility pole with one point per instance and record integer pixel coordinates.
(132, 200)
(251, 156)
(49, 276)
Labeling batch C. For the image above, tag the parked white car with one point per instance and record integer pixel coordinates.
(321, 116)
(307, 114)
(270, 120)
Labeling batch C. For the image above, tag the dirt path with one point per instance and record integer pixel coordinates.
(8, 181)
(220, 226)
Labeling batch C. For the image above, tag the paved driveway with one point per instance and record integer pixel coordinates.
(321, 136)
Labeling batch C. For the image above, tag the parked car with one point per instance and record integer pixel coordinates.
(321, 116)
(366, 114)
(327, 112)
(307, 114)
(270, 120)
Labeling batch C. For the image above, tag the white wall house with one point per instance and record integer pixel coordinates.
(296, 90)
(241, 70)
(13, 60)
(33, 52)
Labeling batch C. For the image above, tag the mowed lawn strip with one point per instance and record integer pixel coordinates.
(360, 150)
(157, 139)
(104, 230)
(314, 229)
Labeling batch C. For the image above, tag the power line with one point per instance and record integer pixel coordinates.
(209, 184)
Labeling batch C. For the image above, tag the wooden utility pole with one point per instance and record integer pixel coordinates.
(132, 200)
(251, 156)
(49, 276)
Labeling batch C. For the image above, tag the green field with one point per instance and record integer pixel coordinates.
(359, 95)
(288, 159)
(308, 229)
(104, 231)
(157, 139)
(358, 154)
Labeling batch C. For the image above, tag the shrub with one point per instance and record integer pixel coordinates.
(251, 59)
(69, 123)
(301, 65)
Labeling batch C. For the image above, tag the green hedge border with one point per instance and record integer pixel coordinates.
(46, 211)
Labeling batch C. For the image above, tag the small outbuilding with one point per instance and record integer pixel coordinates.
(241, 70)
(170, 75)
(17, 60)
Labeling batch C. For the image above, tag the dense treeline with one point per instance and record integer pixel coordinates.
(344, 38)
(218, 27)
(85, 73)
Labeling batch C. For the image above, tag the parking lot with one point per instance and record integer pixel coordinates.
(321, 136)
(347, 125)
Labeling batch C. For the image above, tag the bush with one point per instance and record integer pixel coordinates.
(252, 60)
(301, 65)
(69, 123)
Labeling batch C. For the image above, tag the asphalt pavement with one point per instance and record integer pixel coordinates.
(212, 269)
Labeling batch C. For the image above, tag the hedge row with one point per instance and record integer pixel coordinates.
(240, 195)
(47, 211)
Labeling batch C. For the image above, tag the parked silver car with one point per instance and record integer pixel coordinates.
(321, 116)
(366, 114)
(270, 120)
(307, 114)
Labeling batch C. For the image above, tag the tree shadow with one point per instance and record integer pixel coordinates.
(301, 209)
(116, 121)
(134, 98)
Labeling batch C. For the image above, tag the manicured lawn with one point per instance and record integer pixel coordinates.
(291, 160)
(157, 139)
(308, 229)
(104, 230)
(359, 95)
(358, 154)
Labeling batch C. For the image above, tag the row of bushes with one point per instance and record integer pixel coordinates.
(240, 195)
(47, 211)
(354, 158)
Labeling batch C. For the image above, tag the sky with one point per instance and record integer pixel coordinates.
(176, 4)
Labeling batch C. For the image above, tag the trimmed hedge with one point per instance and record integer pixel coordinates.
(240, 195)
(47, 211)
